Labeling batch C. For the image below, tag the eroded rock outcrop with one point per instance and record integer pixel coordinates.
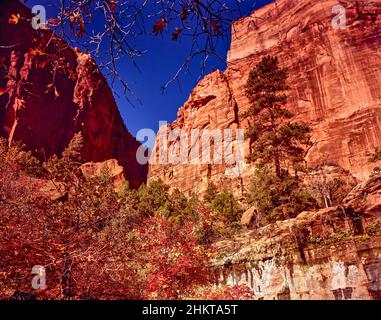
(333, 253)
(366, 197)
(53, 92)
(335, 82)
(111, 168)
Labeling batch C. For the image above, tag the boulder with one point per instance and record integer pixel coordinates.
(252, 218)
(95, 169)
(366, 197)
(53, 190)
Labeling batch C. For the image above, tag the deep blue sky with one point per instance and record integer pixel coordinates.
(156, 66)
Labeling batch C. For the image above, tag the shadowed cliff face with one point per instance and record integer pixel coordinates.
(54, 91)
(335, 85)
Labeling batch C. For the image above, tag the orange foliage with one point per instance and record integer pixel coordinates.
(14, 19)
(173, 260)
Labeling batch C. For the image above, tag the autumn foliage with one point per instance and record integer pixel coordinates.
(96, 242)
(176, 263)
(238, 292)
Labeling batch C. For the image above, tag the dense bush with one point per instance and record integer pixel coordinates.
(178, 207)
(227, 207)
(152, 197)
(170, 258)
(278, 198)
(210, 193)
(328, 191)
(238, 292)
(22, 160)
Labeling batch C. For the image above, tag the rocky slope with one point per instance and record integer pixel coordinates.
(333, 253)
(51, 91)
(335, 82)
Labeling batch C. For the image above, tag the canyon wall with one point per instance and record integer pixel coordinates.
(347, 272)
(335, 85)
(330, 254)
(50, 91)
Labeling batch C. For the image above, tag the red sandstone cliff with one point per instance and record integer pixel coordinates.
(54, 91)
(335, 81)
(328, 254)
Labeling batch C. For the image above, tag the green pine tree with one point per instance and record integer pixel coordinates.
(273, 137)
(210, 193)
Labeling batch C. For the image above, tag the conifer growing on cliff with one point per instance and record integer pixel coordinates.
(277, 145)
(273, 137)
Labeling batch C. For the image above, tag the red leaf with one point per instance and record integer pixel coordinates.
(53, 22)
(176, 34)
(14, 19)
(160, 25)
(184, 14)
(215, 26)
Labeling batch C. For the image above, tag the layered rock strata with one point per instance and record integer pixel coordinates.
(330, 254)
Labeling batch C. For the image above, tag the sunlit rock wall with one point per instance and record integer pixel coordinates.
(335, 85)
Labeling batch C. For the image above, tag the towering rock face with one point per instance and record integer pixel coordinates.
(51, 91)
(335, 85)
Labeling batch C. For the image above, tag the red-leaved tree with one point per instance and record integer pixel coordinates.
(171, 258)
